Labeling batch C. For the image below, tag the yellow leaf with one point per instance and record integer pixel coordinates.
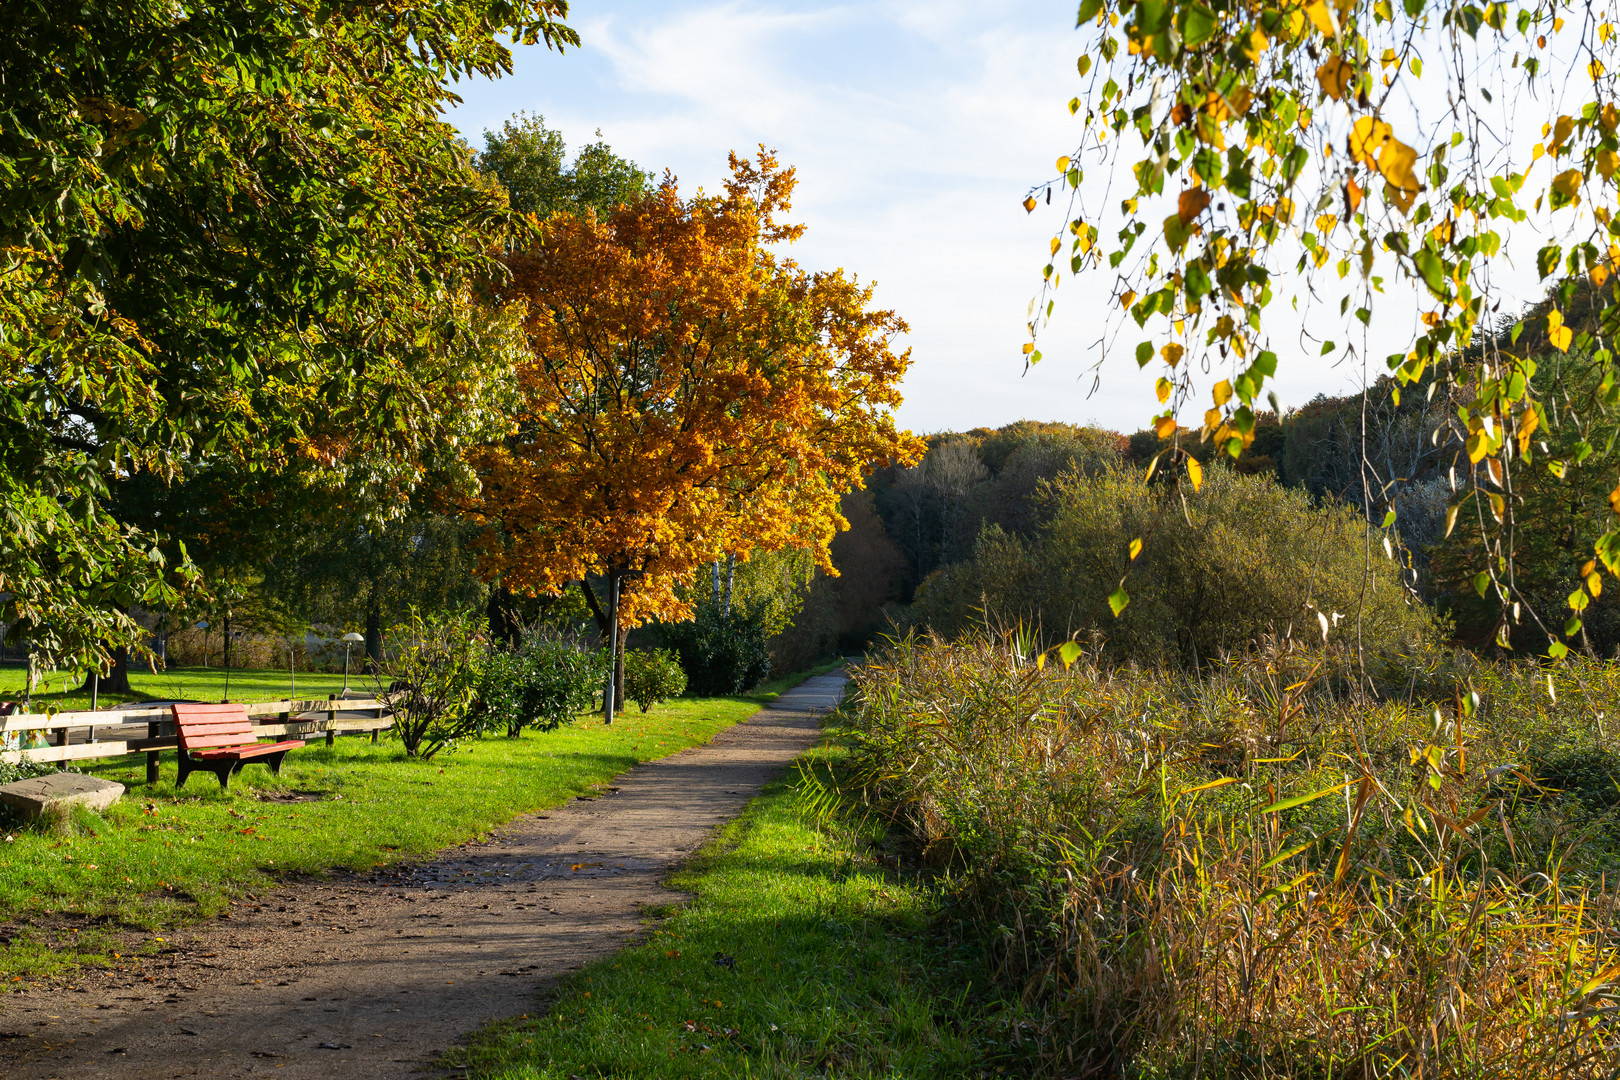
(1367, 138)
(1527, 428)
(1326, 223)
(1241, 97)
(1164, 427)
(1257, 44)
(1029, 204)
(1063, 164)
(1606, 162)
(1335, 76)
(1395, 161)
(1560, 131)
(1322, 19)
(1614, 500)
(1126, 300)
(1212, 418)
(1535, 153)
(1135, 548)
(1163, 388)
(1056, 243)
(1029, 347)
(1172, 353)
(1352, 196)
(1557, 333)
(1595, 69)
(1195, 473)
(1594, 584)
(1599, 274)
(1223, 392)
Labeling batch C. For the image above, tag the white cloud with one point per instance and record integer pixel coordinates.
(915, 127)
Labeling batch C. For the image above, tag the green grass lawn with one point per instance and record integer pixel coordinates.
(160, 857)
(830, 967)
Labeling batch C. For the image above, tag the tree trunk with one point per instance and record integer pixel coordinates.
(502, 625)
(610, 692)
(618, 673)
(731, 579)
(374, 641)
(716, 569)
(115, 681)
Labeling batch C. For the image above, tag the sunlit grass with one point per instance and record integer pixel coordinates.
(160, 856)
(798, 956)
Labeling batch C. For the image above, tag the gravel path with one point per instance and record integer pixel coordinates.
(374, 978)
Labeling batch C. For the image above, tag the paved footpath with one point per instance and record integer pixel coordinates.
(375, 979)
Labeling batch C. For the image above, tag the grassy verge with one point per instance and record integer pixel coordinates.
(799, 956)
(161, 857)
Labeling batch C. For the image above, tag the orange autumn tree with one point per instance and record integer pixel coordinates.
(688, 394)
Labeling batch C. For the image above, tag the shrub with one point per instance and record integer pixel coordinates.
(652, 676)
(1243, 558)
(1254, 871)
(431, 678)
(721, 655)
(543, 682)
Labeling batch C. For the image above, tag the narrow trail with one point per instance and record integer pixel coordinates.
(350, 978)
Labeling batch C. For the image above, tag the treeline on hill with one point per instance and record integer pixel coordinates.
(1032, 523)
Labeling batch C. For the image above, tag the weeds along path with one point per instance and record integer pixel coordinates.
(376, 977)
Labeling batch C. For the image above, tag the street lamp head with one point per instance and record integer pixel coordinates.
(351, 636)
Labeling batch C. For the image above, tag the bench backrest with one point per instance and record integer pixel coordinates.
(202, 725)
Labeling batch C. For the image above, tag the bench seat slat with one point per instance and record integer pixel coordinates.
(248, 750)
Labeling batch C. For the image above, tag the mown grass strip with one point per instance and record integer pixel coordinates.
(161, 857)
(798, 956)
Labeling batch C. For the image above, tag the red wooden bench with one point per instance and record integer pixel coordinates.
(219, 739)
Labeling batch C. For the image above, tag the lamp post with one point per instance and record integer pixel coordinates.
(348, 643)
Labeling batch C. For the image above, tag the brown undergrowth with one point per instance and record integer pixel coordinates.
(1261, 870)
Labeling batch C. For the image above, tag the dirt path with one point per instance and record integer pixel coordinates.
(375, 978)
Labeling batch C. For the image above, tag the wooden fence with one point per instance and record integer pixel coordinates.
(149, 730)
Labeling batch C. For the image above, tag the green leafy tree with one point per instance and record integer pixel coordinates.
(234, 232)
(531, 161)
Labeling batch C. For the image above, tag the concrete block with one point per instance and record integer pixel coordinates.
(30, 797)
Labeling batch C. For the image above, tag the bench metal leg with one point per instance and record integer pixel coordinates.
(274, 761)
(151, 766)
(331, 737)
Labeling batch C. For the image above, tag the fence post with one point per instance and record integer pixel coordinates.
(331, 720)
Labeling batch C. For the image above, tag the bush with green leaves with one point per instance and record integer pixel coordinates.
(722, 655)
(543, 682)
(1217, 569)
(429, 683)
(652, 676)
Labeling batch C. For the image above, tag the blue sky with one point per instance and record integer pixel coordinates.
(916, 128)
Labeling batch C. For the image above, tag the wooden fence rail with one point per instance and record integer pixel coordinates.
(105, 733)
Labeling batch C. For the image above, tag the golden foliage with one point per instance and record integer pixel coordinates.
(688, 393)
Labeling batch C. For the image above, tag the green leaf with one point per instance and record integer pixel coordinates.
(1547, 259)
(1089, 10)
(1198, 25)
(1432, 269)
(1070, 651)
(1389, 519)
(1144, 353)
(1482, 582)
(1301, 800)
(1117, 600)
